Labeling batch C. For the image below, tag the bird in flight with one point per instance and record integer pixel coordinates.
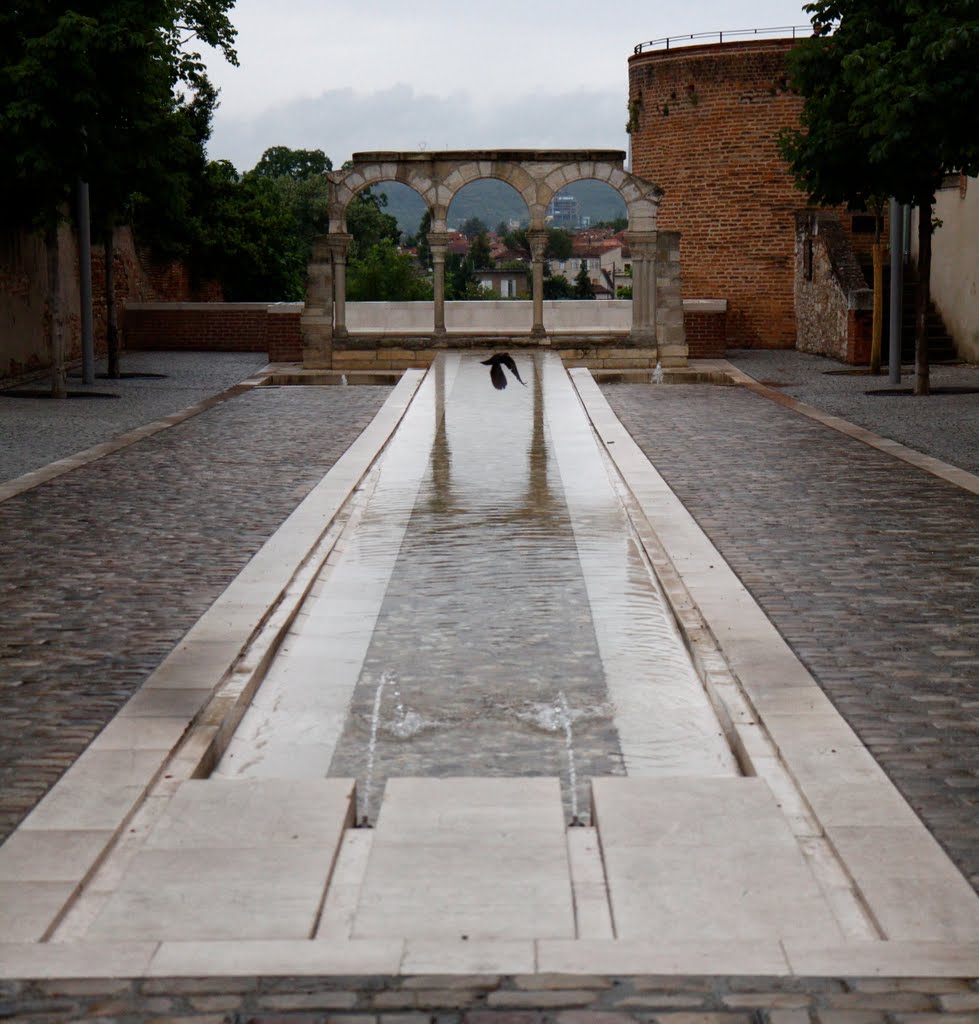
(496, 364)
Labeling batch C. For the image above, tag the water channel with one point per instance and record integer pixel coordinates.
(487, 612)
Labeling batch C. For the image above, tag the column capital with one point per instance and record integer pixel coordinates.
(642, 244)
(339, 242)
(537, 240)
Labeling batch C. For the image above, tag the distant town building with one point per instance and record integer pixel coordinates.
(563, 211)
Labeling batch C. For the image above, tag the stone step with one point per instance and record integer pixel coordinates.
(468, 859)
(232, 859)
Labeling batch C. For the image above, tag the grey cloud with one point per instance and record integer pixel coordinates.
(342, 122)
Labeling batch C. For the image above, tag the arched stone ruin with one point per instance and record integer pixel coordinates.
(656, 331)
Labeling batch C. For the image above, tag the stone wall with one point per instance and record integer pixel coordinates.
(704, 123)
(834, 306)
(493, 999)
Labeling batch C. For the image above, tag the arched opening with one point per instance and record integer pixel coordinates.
(487, 257)
(535, 177)
(382, 256)
(599, 263)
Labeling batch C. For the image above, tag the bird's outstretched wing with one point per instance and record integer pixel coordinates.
(497, 376)
(507, 360)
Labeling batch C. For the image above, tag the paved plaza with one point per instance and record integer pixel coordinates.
(860, 557)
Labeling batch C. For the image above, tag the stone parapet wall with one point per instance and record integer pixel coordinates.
(393, 335)
(494, 999)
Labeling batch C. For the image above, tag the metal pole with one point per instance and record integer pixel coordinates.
(897, 290)
(85, 274)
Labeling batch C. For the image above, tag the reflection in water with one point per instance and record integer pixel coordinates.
(491, 614)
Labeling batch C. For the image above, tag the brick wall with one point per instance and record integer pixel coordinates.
(25, 303)
(215, 327)
(705, 122)
(705, 324)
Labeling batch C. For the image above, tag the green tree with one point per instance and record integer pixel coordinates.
(582, 283)
(473, 226)
(369, 224)
(297, 164)
(245, 235)
(299, 178)
(559, 243)
(556, 286)
(891, 94)
(382, 274)
(88, 92)
(424, 249)
(479, 252)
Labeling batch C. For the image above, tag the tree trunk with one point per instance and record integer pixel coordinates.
(58, 388)
(878, 323)
(922, 301)
(111, 313)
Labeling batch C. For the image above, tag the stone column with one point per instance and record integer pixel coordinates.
(643, 247)
(438, 242)
(339, 243)
(537, 239)
(316, 321)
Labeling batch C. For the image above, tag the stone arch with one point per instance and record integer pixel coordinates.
(536, 175)
(346, 185)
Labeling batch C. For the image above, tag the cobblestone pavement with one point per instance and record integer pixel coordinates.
(106, 567)
(868, 567)
(37, 431)
(945, 426)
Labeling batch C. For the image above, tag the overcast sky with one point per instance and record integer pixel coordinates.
(395, 75)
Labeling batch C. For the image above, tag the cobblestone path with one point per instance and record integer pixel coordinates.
(868, 567)
(106, 567)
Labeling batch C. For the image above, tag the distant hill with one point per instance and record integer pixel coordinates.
(494, 201)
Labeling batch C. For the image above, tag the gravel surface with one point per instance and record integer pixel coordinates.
(944, 426)
(37, 431)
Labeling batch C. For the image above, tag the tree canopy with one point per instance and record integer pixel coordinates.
(88, 90)
(297, 164)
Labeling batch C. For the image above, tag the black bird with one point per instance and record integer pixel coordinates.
(496, 364)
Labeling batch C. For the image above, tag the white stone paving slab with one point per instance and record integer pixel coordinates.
(28, 909)
(662, 957)
(482, 858)
(227, 859)
(476, 956)
(245, 957)
(88, 960)
(704, 859)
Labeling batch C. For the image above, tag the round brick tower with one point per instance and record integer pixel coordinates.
(704, 122)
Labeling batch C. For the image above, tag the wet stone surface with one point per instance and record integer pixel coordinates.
(106, 568)
(868, 567)
(484, 660)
